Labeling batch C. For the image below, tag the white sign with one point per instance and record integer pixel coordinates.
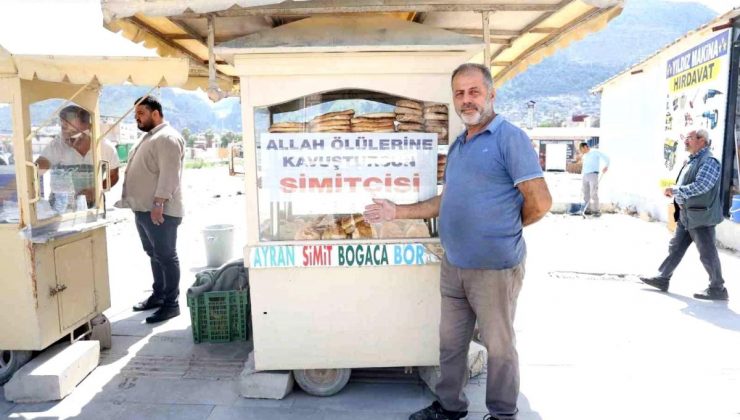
(360, 255)
(320, 173)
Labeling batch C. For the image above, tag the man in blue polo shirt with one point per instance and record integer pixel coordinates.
(493, 188)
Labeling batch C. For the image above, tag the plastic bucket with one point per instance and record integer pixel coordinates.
(219, 240)
(735, 209)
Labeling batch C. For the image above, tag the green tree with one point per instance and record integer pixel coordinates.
(209, 138)
(229, 138)
(188, 137)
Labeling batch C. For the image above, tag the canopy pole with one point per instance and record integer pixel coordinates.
(486, 40)
(56, 111)
(211, 55)
(102, 136)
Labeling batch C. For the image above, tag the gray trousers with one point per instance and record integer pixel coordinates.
(488, 296)
(704, 238)
(591, 191)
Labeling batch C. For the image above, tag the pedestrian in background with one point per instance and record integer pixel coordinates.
(697, 209)
(592, 160)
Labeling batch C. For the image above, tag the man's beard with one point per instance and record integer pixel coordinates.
(479, 116)
(145, 127)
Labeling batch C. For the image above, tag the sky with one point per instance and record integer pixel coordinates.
(83, 21)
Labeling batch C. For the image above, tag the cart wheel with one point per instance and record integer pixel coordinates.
(10, 361)
(322, 382)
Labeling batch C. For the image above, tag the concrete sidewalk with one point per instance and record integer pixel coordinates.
(594, 343)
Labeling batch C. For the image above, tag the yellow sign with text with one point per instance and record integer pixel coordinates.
(706, 72)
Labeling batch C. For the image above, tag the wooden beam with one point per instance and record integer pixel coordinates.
(145, 27)
(542, 30)
(536, 22)
(500, 63)
(372, 6)
(167, 41)
(591, 14)
(478, 32)
(486, 37)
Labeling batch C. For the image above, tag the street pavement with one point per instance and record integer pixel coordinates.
(594, 342)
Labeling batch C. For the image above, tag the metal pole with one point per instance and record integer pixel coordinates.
(211, 56)
(486, 39)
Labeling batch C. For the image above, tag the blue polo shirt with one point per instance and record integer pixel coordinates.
(480, 222)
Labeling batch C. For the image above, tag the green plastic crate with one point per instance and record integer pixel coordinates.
(219, 317)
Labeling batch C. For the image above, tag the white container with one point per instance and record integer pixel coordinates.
(219, 241)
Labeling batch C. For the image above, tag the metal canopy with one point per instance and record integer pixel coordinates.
(521, 32)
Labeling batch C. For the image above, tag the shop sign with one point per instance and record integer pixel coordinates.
(696, 98)
(356, 255)
(325, 173)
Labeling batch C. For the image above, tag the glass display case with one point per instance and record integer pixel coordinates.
(9, 210)
(321, 158)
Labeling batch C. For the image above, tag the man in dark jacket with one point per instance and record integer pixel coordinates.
(697, 209)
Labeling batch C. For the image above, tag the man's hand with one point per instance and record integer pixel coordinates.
(668, 192)
(157, 215)
(606, 168)
(380, 211)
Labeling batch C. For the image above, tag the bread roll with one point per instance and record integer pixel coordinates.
(384, 124)
(286, 130)
(409, 104)
(410, 118)
(433, 116)
(307, 234)
(439, 130)
(390, 230)
(361, 120)
(436, 109)
(330, 123)
(373, 130)
(332, 130)
(410, 127)
(408, 111)
(376, 115)
(330, 127)
(333, 232)
(342, 117)
(288, 124)
(321, 117)
(417, 230)
(363, 230)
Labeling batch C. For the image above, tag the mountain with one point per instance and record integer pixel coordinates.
(559, 84)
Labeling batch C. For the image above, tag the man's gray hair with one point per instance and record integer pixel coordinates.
(703, 134)
(473, 67)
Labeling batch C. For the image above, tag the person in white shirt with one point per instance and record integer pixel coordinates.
(592, 161)
(70, 158)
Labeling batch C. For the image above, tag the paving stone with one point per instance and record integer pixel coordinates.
(271, 385)
(367, 397)
(263, 413)
(53, 374)
(5, 405)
